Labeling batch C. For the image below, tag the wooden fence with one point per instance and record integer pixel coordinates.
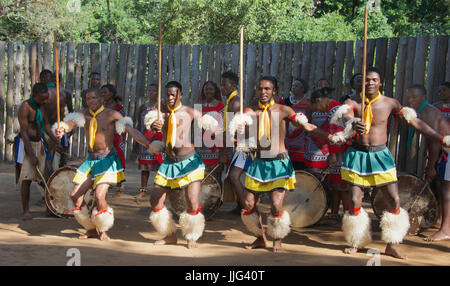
(402, 61)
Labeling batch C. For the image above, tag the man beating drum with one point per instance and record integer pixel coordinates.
(368, 163)
(103, 167)
(272, 170)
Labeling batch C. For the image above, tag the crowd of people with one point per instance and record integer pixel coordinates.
(337, 141)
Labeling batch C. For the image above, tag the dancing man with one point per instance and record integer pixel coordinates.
(182, 167)
(271, 171)
(368, 163)
(103, 167)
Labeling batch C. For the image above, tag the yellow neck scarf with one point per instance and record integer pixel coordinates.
(93, 126)
(264, 120)
(368, 115)
(232, 95)
(172, 127)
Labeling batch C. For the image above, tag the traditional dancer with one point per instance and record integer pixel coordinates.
(417, 99)
(103, 167)
(31, 148)
(148, 161)
(271, 170)
(182, 167)
(112, 100)
(240, 159)
(368, 163)
(94, 81)
(295, 137)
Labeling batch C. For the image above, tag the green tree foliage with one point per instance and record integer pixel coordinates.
(218, 21)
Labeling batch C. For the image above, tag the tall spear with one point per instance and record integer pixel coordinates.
(241, 67)
(55, 47)
(159, 71)
(364, 65)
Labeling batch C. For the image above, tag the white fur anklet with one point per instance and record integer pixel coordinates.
(280, 226)
(162, 221)
(103, 219)
(251, 221)
(192, 225)
(357, 229)
(394, 226)
(82, 217)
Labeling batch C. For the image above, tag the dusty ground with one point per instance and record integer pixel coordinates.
(46, 240)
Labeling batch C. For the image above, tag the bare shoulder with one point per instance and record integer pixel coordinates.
(350, 102)
(24, 107)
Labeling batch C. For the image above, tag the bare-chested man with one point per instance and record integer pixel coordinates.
(271, 171)
(240, 160)
(182, 168)
(417, 99)
(368, 163)
(32, 152)
(103, 167)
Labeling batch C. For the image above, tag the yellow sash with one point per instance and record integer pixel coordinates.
(172, 127)
(93, 126)
(232, 95)
(264, 120)
(368, 115)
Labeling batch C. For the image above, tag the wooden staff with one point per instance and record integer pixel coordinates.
(241, 77)
(55, 46)
(364, 65)
(159, 72)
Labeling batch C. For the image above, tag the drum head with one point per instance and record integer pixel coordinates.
(60, 186)
(424, 204)
(306, 205)
(210, 198)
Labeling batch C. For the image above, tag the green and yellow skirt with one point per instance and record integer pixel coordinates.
(369, 169)
(268, 175)
(176, 175)
(106, 170)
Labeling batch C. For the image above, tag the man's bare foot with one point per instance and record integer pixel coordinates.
(104, 236)
(277, 246)
(26, 216)
(141, 195)
(394, 251)
(438, 236)
(171, 239)
(351, 250)
(260, 242)
(89, 234)
(192, 244)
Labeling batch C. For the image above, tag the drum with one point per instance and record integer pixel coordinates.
(60, 186)
(307, 204)
(229, 195)
(415, 196)
(210, 197)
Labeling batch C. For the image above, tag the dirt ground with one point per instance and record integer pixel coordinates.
(45, 241)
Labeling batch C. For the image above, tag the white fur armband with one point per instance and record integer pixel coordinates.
(300, 118)
(237, 120)
(342, 136)
(207, 122)
(337, 116)
(408, 113)
(151, 117)
(120, 124)
(75, 117)
(61, 124)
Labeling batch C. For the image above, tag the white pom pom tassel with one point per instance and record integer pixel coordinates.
(408, 113)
